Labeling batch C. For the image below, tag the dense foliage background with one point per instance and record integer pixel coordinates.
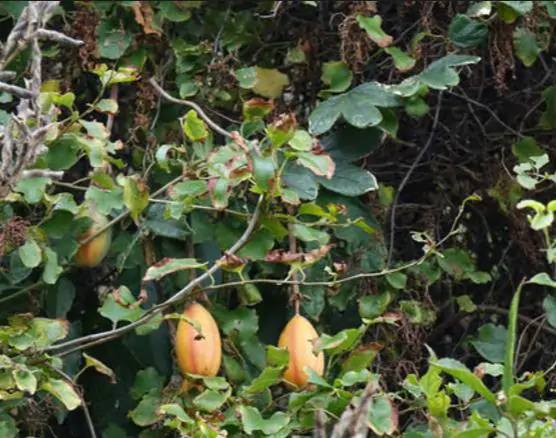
(383, 168)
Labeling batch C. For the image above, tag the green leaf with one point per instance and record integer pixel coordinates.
(350, 180)
(542, 279)
(264, 172)
(177, 411)
(51, 270)
(373, 27)
(417, 313)
(320, 165)
(398, 280)
(63, 391)
(307, 234)
(121, 305)
(277, 356)
(525, 148)
(62, 154)
(112, 41)
(135, 196)
(168, 266)
(247, 77)
(270, 82)
(171, 12)
(491, 342)
(462, 373)
(520, 7)
(270, 376)
(146, 412)
(109, 106)
(441, 73)
(347, 143)
(402, 61)
(549, 306)
(105, 200)
(337, 75)
(526, 46)
(91, 362)
(383, 416)
(95, 129)
(253, 421)
(194, 127)
(416, 107)
(373, 306)
(508, 377)
(301, 141)
(361, 358)
(146, 381)
(59, 299)
(32, 188)
(240, 322)
(467, 33)
(479, 9)
(189, 188)
(30, 254)
(351, 378)
(210, 400)
(25, 380)
(8, 426)
(301, 181)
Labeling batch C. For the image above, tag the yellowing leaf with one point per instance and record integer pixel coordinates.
(270, 82)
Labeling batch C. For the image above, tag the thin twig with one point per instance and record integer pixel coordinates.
(88, 418)
(406, 178)
(193, 105)
(186, 292)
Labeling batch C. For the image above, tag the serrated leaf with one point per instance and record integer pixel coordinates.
(63, 391)
(168, 266)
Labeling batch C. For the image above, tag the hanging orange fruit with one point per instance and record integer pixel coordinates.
(298, 337)
(93, 252)
(198, 353)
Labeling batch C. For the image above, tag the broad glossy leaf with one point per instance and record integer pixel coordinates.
(491, 342)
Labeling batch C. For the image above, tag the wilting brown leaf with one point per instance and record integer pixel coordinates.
(144, 17)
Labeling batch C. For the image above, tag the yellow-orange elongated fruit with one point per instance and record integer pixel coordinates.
(298, 337)
(92, 253)
(198, 354)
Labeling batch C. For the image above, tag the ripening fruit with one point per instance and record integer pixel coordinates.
(298, 337)
(92, 253)
(196, 354)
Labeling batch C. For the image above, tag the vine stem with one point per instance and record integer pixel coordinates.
(193, 105)
(296, 290)
(406, 179)
(99, 338)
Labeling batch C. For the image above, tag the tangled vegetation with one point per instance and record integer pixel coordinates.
(279, 218)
